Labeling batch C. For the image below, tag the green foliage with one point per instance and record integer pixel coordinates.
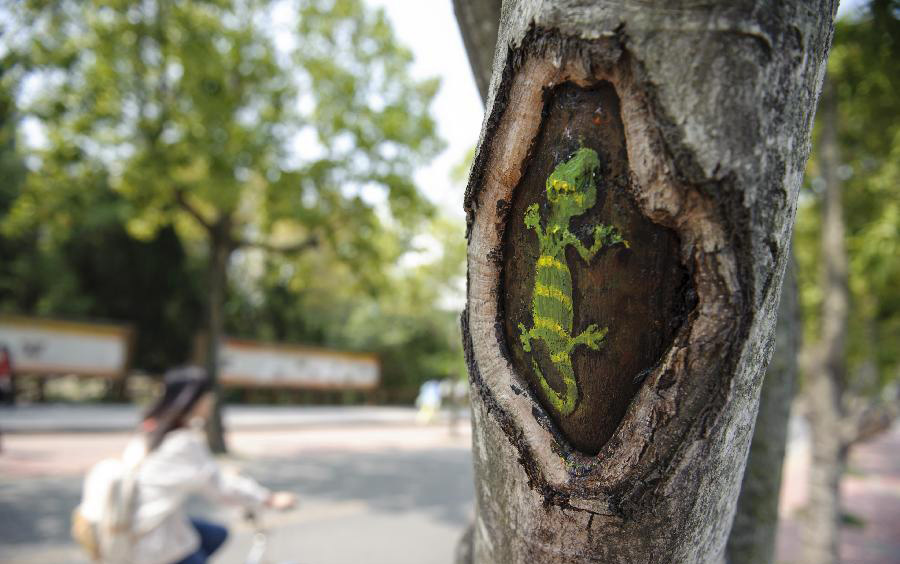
(191, 103)
(409, 316)
(78, 261)
(865, 66)
(168, 128)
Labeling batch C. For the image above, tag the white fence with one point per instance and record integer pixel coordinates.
(54, 347)
(258, 364)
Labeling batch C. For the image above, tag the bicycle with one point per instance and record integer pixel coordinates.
(260, 543)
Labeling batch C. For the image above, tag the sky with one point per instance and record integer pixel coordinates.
(428, 28)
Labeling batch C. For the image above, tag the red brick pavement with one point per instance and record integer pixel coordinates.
(870, 492)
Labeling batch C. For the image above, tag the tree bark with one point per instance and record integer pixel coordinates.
(699, 116)
(220, 248)
(825, 382)
(752, 539)
(478, 21)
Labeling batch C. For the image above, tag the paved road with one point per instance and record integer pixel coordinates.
(392, 495)
(380, 493)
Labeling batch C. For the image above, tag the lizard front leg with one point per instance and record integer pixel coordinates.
(592, 337)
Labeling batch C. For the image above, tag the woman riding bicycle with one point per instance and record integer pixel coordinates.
(173, 462)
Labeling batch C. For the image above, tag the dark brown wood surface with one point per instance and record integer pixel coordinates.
(642, 294)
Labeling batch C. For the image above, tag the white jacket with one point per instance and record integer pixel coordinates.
(180, 466)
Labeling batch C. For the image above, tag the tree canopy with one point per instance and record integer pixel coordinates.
(285, 133)
(865, 68)
(208, 112)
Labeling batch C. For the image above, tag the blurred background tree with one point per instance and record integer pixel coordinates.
(864, 68)
(170, 140)
(848, 251)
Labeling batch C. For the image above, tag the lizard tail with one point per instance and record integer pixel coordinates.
(564, 403)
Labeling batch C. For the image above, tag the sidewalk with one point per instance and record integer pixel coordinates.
(93, 418)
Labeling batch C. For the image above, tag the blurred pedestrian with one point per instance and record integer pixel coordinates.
(7, 384)
(428, 401)
(165, 464)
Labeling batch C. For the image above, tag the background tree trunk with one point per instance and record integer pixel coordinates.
(826, 376)
(752, 539)
(220, 253)
(478, 21)
(701, 117)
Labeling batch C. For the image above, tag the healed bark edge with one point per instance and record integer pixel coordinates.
(665, 412)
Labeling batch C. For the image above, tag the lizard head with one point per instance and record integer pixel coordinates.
(571, 187)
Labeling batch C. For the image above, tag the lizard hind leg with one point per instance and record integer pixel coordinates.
(563, 403)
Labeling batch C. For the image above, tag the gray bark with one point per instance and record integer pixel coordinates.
(717, 102)
(752, 539)
(825, 382)
(478, 21)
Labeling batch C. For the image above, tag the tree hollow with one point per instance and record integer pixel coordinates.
(639, 293)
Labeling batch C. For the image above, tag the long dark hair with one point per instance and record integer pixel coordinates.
(184, 387)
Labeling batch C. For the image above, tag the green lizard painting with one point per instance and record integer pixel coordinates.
(571, 191)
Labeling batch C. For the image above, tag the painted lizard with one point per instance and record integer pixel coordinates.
(571, 190)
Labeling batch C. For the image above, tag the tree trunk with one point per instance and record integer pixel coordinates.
(752, 539)
(629, 211)
(478, 21)
(825, 382)
(220, 253)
